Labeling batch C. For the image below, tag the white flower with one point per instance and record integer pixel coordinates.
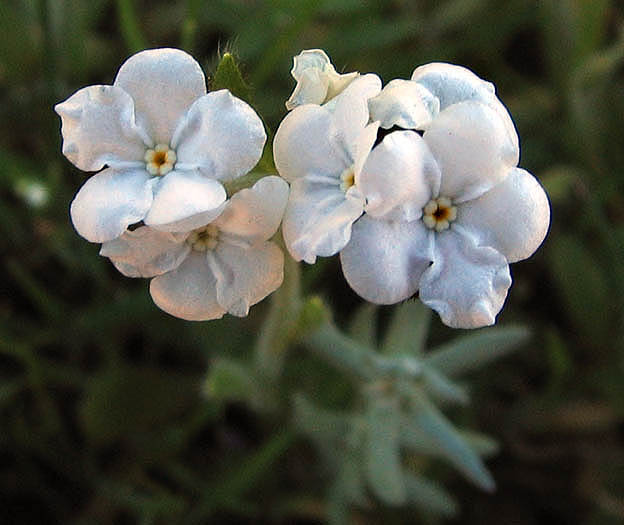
(480, 213)
(166, 145)
(325, 154)
(224, 265)
(317, 80)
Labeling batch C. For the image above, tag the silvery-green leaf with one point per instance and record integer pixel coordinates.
(477, 349)
(318, 422)
(450, 443)
(429, 496)
(483, 445)
(382, 455)
(408, 329)
(441, 388)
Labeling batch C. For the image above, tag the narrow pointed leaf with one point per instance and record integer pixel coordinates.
(442, 388)
(319, 423)
(473, 351)
(408, 329)
(383, 458)
(429, 496)
(483, 445)
(450, 443)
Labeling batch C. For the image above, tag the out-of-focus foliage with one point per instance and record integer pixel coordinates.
(112, 411)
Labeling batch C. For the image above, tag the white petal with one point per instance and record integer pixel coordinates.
(188, 292)
(363, 146)
(384, 260)
(163, 83)
(98, 128)
(246, 276)
(255, 213)
(309, 59)
(222, 135)
(311, 88)
(318, 218)
(405, 104)
(109, 202)
(472, 149)
(399, 177)
(350, 108)
(185, 200)
(146, 252)
(466, 284)
(512, 217)
(306, 142)
(452, 84)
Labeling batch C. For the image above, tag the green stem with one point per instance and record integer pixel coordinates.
(281, 322)
(190, 25)
(126, 14)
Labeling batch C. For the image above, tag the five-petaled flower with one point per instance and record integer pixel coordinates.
(479, 212)
(223, 265)
(164, 143)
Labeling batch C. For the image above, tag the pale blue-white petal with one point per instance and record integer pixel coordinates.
(399, 177)
(513, 217)
(307, 60)
(452, 84)
(98, 128)
(311, 88)
(307, 142)
(384, 260)
(146, 252)
(163, 83)
(472, 149)
(109, 202)
(404, 103)
(350, 109)
(221, 135)
(318, 217)
(255, 213)
(466, 284)
(245, 276)
(188, 292)
(185, 200)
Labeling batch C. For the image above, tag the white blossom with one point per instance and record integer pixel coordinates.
(164, 142)
(223, 265)
(481, 211)
(317, 79)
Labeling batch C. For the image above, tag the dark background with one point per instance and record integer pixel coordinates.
(104, 413)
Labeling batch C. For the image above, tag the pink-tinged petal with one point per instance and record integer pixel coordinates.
(466, 284)
(472, 149)
(513, 217)
(146, 252)
(384, 260)
(452, 84)
(318, 217)
(221, 135)
(255, 213)
(307, 142)
(185, 200)
(188, 292)
(245, 276)
(98, 128)
(109, 202)
(399, 177)
(163, 83)
(404, 103)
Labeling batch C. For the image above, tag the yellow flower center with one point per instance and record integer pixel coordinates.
(204, 239)
(438, 214)
(347, 179)
(160, 160)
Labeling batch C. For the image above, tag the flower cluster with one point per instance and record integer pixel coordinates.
(416, 185)
(164, 146)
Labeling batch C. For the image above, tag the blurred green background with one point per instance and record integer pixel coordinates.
(105, 415)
